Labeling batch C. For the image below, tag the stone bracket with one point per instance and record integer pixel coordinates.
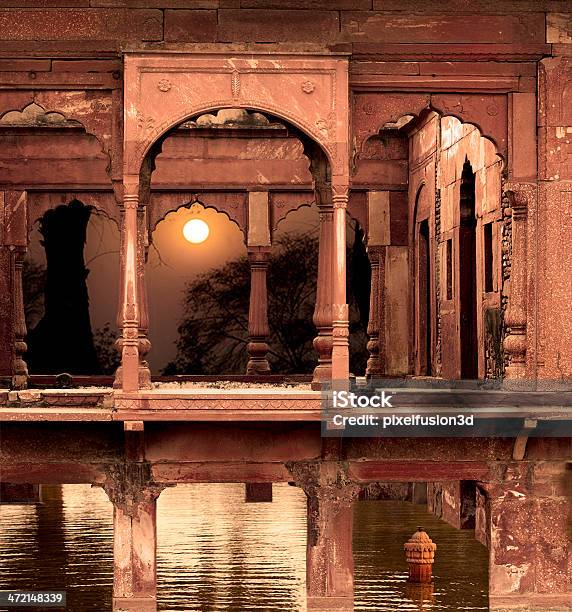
(519, 449)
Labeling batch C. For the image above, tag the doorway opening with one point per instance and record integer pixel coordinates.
(468, 275)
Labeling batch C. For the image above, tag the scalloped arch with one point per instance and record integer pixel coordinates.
(278, 221)
(37, 209)
(141, 150)
(427, 110)
(67, 116)
(188, 205)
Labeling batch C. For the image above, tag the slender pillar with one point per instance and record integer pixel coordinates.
(142, 251)
(530, 551)
(134, 545)
(324, 288)
(13, 246)
(378, 245)
(19, 367)
(329, 555)
(340, 322)
(515, 317)
(374, 366)
(258, 329)
(134, 372)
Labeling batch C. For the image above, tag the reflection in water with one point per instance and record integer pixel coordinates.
(216, 552)
(63, 544)
(460, 574)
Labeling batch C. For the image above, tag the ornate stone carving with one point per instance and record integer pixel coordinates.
(519, 194)
(323, 310)
(235, 83)
(420, 556)
(164, 85)
(374, 366)
(19, 368)
(308, 87)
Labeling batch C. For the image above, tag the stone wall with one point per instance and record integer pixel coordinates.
(108, 25)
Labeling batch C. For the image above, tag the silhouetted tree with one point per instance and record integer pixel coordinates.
(107, 355)
(33, 283)
(214, 331)
(63, 341)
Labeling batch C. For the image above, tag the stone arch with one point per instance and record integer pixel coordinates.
(160, 97)
(488, 113)
(49, 108)
(250, 105)
(279, 217)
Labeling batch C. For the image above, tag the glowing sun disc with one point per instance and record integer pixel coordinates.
(196, 231)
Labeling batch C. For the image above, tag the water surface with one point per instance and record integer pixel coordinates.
(217, 553)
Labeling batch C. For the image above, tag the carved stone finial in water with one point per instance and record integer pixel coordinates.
(420, 555)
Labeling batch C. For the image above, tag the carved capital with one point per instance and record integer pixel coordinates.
(521, 196)
(259, 258)
(130, 202)
(340, 313)
(129, 484)
(328, 482)
(340, 195)
(374, 254)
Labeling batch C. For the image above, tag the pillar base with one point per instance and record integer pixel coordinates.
(134, 604)
(19, 382)
(530, 603)
(330, 603)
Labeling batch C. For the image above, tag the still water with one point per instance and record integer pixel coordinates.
(217, 553)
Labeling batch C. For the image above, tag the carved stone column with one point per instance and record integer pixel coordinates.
(329, 554)
(340, 322)
(374, 366)
(142, 251)
(19, 367)
(134, 539)
(13, 246)
(515, 318)
(378, 241)
(134, 372)
(258, 330)
(324, 288)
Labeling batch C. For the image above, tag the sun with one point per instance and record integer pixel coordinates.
(196, 231)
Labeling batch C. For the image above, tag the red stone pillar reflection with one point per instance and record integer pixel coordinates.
(340, 322)
(515, 317)
(258, 329)
(134, 546)
(324, 288)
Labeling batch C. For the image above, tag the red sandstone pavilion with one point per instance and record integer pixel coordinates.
(444, 129)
